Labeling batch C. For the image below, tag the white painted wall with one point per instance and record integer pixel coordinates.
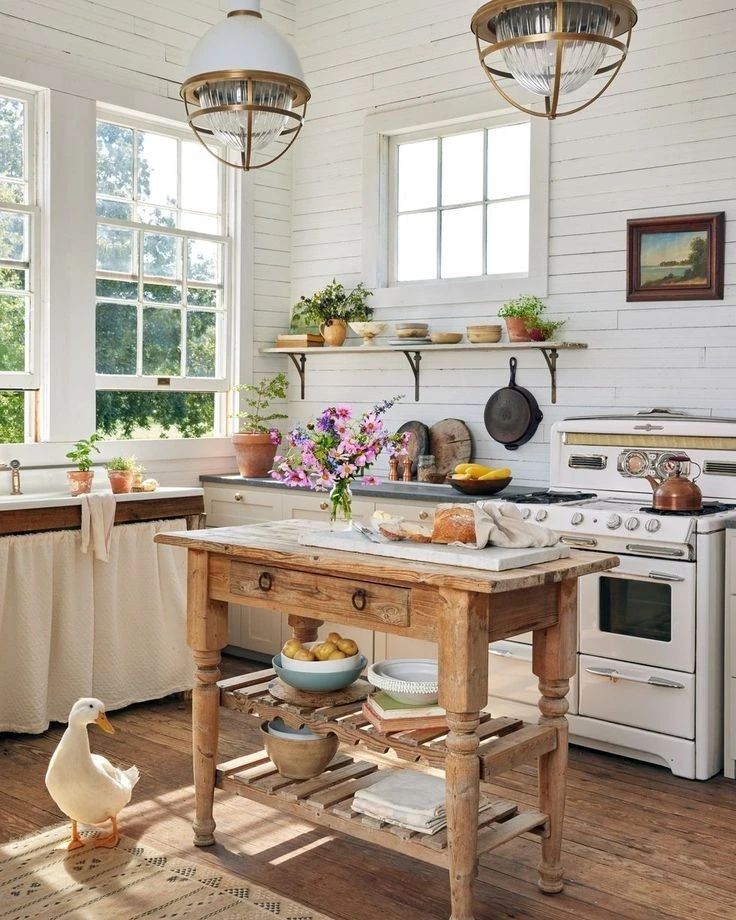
(661, 141)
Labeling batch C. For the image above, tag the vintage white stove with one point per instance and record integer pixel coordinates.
(650, 654)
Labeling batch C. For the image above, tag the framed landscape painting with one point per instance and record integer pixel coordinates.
(676, 258)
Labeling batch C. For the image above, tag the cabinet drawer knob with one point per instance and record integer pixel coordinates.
(238, 496)
(360, 599)
(265, 581)
(323, 506)
(423, 515)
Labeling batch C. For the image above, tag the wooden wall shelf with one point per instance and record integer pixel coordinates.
(413, 354)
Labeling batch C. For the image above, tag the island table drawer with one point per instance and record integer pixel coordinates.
(315, 594)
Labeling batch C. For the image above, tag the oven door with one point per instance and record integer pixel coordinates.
(642, 611)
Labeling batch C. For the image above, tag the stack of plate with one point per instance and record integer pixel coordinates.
(412, 333)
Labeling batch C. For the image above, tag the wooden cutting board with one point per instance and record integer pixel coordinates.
(418, 443)
(451, 443)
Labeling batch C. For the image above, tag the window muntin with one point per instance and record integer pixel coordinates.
(461, 203)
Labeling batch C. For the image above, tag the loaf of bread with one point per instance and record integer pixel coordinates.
(454, 524)
(406, 530)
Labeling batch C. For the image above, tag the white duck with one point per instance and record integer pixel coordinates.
(86, 786)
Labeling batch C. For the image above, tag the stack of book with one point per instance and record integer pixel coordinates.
(299, 340)
(388, 715)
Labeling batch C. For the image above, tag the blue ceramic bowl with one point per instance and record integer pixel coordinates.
(317, 681)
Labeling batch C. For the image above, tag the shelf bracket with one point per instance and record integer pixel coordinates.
(550, 356)
(301, 368)
(414, 365)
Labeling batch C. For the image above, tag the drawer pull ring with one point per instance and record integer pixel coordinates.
(360, 599)
(265, 581)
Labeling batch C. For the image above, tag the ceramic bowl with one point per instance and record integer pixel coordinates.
(446, 338)
(484, 335)
(479, 486)
(411, 325)
(367, 331)
(316, 680)
(299, 759)
(412, 330)
(408, 680)
(279, 729)
(323, 667)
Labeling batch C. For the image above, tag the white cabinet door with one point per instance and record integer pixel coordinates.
(390, 646)
(419, 513)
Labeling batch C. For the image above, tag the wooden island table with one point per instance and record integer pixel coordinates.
(462, 610)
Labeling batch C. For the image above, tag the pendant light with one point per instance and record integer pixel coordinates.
(244, 88)
(552, 48)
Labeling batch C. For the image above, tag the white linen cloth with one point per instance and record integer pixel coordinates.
(98, 519)
(502, 525)
(405, 796)
(71, 626)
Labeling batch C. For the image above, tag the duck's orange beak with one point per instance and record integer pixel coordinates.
(104, 724)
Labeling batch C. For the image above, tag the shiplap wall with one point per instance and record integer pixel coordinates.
(661, 141)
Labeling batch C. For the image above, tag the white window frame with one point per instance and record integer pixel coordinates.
(220, 384)
(383, 132)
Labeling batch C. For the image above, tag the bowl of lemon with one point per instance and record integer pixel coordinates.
(476, 479)
(330, 664)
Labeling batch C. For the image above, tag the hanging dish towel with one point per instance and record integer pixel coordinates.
(98, 518)
(503, 525)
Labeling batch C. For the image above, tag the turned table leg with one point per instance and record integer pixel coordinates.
(304, 629)
(553, 661)
(463, 672)
(206, 636)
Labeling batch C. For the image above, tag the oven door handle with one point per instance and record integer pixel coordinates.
(654, 550)
(657, 576)
(579, 541)
(613, 675)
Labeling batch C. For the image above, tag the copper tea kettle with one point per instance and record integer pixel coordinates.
(676, 492)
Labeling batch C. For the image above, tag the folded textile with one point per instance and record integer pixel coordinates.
(429, 826)
(406, 795)
(503, 525)
(98, 518)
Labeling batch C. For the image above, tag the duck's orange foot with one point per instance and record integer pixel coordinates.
(76, 841)
(112, 839)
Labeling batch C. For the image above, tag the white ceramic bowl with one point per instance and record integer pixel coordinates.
(279, 729)
(324, 667)
(407, 680)
(367, 330)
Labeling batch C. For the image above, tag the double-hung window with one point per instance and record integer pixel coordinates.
(163, 256)
(19, 227)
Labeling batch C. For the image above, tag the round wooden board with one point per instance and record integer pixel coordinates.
(418, 442)
(451, 443)
(356, 692)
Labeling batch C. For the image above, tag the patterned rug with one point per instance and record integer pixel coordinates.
(40, 880)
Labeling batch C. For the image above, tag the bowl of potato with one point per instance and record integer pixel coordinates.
(331, 664)
(476, 479)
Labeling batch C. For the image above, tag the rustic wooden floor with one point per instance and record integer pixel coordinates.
(640, 844)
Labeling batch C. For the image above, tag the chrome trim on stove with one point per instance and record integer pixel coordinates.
(719, 468)
(613, 675)
(587, 462)
(654, 550)
(579, 541)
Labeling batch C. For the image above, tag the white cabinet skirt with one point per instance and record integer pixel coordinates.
(72, 626)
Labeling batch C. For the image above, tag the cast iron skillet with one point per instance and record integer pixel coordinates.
(512, 414)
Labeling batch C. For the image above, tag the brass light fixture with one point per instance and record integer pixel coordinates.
(244, 87)
(552, 47)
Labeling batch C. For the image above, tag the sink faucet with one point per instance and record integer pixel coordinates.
(14, 467)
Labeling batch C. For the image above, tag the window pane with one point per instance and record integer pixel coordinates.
(117, 210)
(160, 217)
(462, 242)
(114, 160)
(162, 293)
(120, 290)
(462, 168)
(162, 255)
(417, 257)
(12, 417)
(201, 344)
(116, 250)
(418, 175)
(509, 161)
(12, 334)
(157, 168)
(199, 223)
(203, 261)
(202, 297)
(199, 178)
(12, 118)
(13, 236)
(162, 342)
(508, 237)
(13, 279)
(136, 414)
(117, 338)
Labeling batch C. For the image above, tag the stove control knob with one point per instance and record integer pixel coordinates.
(541, 515)
(613, 522)
(632, 523)
(577, 518)
(653, 525)
(525, 513)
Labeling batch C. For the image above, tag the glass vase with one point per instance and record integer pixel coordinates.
(341, 506)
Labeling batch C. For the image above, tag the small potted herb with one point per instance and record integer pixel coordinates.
(332, 309)
(121, 472)
(541, 330)
(256, 442)
(80, 480)
(520, 315)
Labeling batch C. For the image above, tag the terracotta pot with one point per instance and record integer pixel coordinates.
(516, 328)
(121, 481)
(80, 481)
(334, 332)
(254, 453)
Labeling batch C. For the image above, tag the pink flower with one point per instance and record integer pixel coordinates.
(275, 436)
(370, 481)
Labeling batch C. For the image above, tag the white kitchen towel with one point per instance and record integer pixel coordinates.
(503, 525)
(98, 519)
(406, 794)
(427, 826)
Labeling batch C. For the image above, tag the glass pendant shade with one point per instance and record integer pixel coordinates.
(552, 48)
(244, 90)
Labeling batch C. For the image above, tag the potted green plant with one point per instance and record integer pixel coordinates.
(331, 309)
(256, 442)
(80, 480)
(121, 472)
(520, 314)
(543, 330)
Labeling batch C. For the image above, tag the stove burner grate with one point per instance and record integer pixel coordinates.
(553, 498)
(712, 508)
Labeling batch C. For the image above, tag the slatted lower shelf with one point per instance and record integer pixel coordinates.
(326, 801)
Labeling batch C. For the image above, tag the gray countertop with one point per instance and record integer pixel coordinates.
(402, 491)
